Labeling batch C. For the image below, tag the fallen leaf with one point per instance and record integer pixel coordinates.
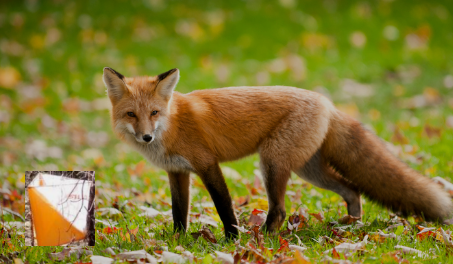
(242, 201)
(110, 212)
(149, 212)
(188, 255)
(15, 225)
(259, 237)
(319, 216)
(129, 236)
(412, 251)
(242, 229)
(296, 221)
(204, 219)
(294, 247)
(101, 260)
(335, 254)
(448, 186)
(70, 251)
(224, 257)
(325, 240)
(392, 257)
(431, 131)
(169, 257)
(348, 219)
(138, 170)
(301, 259)
(137, 255)
(206, 233)
(257, 217)
(106, 223)
(284, 245)
(352, 247)
(398, 137)
(447, 238)
(110, 230)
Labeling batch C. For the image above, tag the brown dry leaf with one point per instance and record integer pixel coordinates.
(319, 216)
(138, 170)
(242, 201)
(254, 253)
(348, 219)
(398, 137)
(377, 238)
(392, 257)
(431, 131)
(206, 233)
(259, 237)
(326, 240)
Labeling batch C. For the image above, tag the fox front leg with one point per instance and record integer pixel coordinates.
(215, 184)
(180, 199)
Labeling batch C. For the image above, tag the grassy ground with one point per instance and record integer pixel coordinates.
(387, 63)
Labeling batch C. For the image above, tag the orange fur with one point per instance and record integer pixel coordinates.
(292, 129)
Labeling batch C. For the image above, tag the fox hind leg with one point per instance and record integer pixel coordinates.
(317, 172)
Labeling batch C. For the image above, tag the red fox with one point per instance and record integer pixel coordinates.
(292, 129)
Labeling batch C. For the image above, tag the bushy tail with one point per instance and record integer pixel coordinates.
(362, 158)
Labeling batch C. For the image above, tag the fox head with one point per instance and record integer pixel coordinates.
(140, 105)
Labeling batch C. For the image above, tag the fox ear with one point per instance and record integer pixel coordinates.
(114, 81)
(166, 82)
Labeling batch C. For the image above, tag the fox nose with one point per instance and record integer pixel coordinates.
(147, 137)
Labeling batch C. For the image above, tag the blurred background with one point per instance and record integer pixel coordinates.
(387, 63)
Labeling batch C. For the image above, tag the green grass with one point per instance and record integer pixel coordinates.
(59, 49)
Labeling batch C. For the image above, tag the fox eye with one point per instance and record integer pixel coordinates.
(154, 112)
(131, 114)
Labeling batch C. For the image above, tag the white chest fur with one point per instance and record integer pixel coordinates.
(156, 154)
